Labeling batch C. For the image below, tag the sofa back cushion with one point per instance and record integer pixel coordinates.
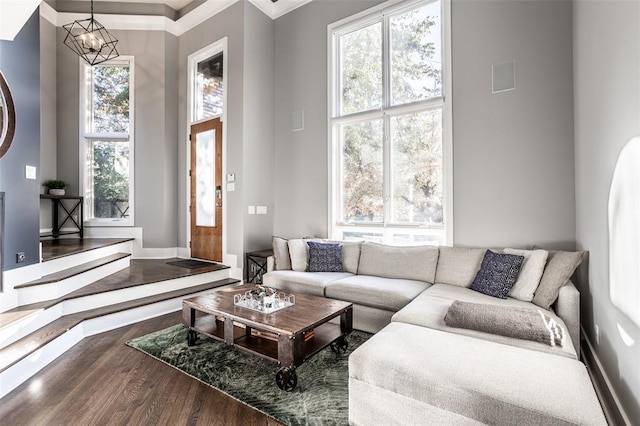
(350, 255)
(458, 265)
(406, 262)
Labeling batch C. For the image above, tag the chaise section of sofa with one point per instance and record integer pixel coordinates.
(409, 375)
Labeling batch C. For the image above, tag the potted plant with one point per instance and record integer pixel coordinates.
(55, 186)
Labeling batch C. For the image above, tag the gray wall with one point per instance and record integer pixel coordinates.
(300, 171)
(258, 127)
(155, 142)
(20, 63)
(48, 113)
(607, 116)
(513, 151)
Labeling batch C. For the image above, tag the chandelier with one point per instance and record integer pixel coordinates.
(90, 40)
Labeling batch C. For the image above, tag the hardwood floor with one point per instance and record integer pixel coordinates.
(101, 381)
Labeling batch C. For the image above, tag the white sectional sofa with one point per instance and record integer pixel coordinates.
(418, 370)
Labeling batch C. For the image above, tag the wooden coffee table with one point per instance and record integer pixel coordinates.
(289, 336)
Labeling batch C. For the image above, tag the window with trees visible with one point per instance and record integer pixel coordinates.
(107, 142)
(389, 121)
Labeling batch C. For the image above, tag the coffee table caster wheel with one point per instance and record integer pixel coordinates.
(191, 338)
(340, 346)
(287, 379)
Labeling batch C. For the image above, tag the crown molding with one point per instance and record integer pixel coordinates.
(192, 19)
(279, 8)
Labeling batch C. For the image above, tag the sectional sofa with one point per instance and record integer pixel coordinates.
(418, 369)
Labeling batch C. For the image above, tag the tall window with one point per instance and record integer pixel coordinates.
(389, 120)
(107, 142)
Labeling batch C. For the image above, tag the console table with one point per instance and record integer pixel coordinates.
(76, 205)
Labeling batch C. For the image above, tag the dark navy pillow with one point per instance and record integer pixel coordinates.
(497, 274)
(325, 257)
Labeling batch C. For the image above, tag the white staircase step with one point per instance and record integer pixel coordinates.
(22, 359)
(56, 285)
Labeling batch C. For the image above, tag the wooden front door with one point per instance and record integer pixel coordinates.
(206, 190)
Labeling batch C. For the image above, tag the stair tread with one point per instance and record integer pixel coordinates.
(76, 270)
(34, 341)
(55, 249)
(140, 272)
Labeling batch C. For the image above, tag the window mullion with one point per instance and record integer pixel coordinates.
(386, 173)
(386, 101)
(386, 62)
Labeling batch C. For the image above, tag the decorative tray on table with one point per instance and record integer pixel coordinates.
(264, 299)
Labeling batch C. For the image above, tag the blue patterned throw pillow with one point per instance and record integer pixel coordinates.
(497, 274)
(325, 257)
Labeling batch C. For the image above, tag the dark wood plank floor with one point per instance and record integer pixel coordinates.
(101, 381)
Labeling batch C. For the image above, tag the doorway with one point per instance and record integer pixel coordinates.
(206, 190)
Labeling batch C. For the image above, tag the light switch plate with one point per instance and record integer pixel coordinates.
(261, 209)
(251, 210)
(30, 172)
(231, 187)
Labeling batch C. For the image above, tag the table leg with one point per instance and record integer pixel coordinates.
(55, 231)
(346, 321)
(228, 331)
(189, 321)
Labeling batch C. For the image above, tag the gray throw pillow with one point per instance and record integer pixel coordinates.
(498, 273)
(325, 257)
(560, 267)
(281, 253)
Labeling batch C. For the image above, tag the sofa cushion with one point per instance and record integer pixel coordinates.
(405, 262)
(377, 292)
(281, 253)
(560, 267)
(429, 308)
(498, 273)
(475, 378)
(301, 282)
(325, 257)
(350, 254)
(458, 265)
(530, 273)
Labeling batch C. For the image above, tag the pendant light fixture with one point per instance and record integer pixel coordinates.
(90, 40)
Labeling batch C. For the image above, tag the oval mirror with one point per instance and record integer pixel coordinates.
(7, 116)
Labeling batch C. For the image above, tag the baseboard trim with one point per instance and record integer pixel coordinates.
(607, 396)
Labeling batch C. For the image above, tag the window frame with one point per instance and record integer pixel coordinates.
(386, 112)
(86, 138)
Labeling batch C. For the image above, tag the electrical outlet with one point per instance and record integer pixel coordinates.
(21, 257)
(597, 334)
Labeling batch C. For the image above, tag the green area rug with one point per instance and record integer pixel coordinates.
(321, 397)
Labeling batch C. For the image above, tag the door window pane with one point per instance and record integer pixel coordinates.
(416, 156)
(362, 172)
(209, 88)
(110, 99)
(205, 178)
(416, 67)
(110, 184)
(361, 69)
